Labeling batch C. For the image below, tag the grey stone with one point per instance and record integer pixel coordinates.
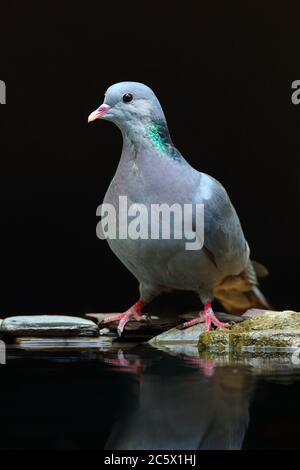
(252, 312)
(175, 335)
(226, 317)
(178, 349)
(48, 325)
(189, 335)
(270, 331)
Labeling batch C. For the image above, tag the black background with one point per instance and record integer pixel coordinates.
(223, 73)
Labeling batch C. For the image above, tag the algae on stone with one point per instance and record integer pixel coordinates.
(269, 331)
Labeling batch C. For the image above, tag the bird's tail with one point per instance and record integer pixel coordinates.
(240, 293)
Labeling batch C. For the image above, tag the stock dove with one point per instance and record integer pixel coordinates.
(151, 172)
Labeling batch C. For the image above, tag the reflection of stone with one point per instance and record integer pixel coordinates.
(270, 331)
(2, 92)
(86, 343)
(48, 325)
(279, 365)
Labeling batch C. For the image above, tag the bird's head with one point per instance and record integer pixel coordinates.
(129, 104)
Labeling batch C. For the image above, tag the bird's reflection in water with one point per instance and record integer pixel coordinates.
(183, 403)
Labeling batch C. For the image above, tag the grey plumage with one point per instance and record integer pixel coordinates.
(152, 171)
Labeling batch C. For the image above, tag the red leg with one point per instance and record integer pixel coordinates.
(206, 365)
(208, 316)
(123, 318)
(123, 364)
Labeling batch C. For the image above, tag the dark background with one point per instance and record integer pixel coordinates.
(223, 73)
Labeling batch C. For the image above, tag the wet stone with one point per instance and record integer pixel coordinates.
(48, 326)
(189, 335)
(174, 335)
(265, 332)
(134, 330)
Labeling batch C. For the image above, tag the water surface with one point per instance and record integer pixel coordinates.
(138, 397)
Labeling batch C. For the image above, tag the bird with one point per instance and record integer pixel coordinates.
(152, 171)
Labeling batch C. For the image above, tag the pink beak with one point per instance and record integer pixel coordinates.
(99, 113)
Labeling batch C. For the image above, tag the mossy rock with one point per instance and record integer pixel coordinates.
(271, 331)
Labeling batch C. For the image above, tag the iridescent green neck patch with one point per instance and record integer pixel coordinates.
(159, 136)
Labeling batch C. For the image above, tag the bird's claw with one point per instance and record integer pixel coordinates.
(129, 316)
(133, 312)
(208, 317)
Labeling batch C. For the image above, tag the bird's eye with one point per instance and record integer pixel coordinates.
(127, 97)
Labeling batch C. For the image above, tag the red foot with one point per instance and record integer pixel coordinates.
(207, 365)
(123, 318)
(208, 316)
(122, 364)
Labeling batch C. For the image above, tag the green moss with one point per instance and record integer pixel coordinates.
(270, 320)
(218, 339)
(270, 330)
